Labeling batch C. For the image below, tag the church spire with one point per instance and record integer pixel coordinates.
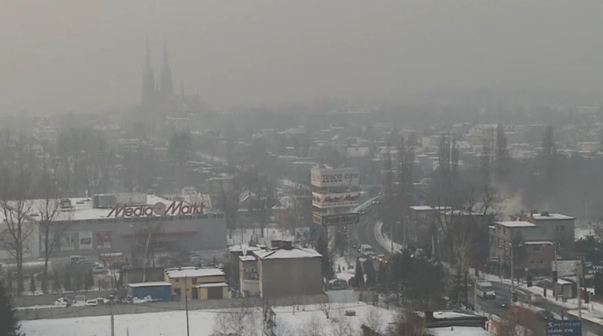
(166, 86)
(148, 80)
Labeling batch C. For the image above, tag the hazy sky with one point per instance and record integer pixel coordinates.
(74, 55)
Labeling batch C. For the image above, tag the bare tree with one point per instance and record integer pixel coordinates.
(408, 323)
(18, 226)
(230, 199)
(312, 327)
(48, 210)
(388, 204)
(147, 243)
(241, 321)
(325, 307)
(339, 325)
(406, 158)
(374, 320)
(262, 197)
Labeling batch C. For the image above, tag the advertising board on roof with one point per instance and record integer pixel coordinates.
(158, 209)
(338, 177)
(325, 201)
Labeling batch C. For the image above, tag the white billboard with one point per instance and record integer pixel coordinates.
(339, 177)
(325, 201)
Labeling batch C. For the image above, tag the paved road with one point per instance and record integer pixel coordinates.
(365, 233)
(523, 296)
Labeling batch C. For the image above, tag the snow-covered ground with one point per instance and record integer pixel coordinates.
(173, 323)
(581, 233)
(244, 236)
(344, 267)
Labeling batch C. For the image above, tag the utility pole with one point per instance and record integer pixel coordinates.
(112, 316)
(186, 304)
(475, 295)
(391, 237)
(512, 272)
(554, 283)
(579, 276)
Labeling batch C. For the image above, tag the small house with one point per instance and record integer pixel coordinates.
(198, 283)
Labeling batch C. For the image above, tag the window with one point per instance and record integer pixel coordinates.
(177, 280)
(541, 262)
(194, 281)
(536, 249)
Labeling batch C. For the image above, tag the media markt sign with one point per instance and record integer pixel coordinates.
(158, 209)
(564, 328)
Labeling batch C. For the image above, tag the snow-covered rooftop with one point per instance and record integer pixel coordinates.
(450, 315)
(247, 258)
(294, 253)
(551, 216)
(422, 208)
(543, 242)
(149, 284)
(516, 224)
(459, 331)
(192, 272)
(206, 285)
(243, 247)
(81, 208)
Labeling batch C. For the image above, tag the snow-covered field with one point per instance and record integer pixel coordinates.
(173, 323)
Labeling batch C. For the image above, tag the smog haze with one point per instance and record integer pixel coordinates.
(67, 55)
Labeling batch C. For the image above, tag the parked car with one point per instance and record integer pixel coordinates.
(546, 315)
(338, 284)
(93, 302)
(99, 270)
(62, 301)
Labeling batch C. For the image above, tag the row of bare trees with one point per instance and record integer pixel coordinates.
(256, 189)
(28, 222)
(397, 187)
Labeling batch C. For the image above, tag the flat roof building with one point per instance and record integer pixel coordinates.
(116, 223)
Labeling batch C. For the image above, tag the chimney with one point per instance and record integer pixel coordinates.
(545, 214)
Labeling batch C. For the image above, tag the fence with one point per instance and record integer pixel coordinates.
(156, 307)
(49, 299)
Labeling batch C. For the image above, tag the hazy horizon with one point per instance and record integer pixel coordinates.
(68, 55)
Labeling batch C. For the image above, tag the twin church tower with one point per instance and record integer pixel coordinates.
(156, 93)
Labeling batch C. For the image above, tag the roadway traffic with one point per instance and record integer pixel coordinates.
(365, 234)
